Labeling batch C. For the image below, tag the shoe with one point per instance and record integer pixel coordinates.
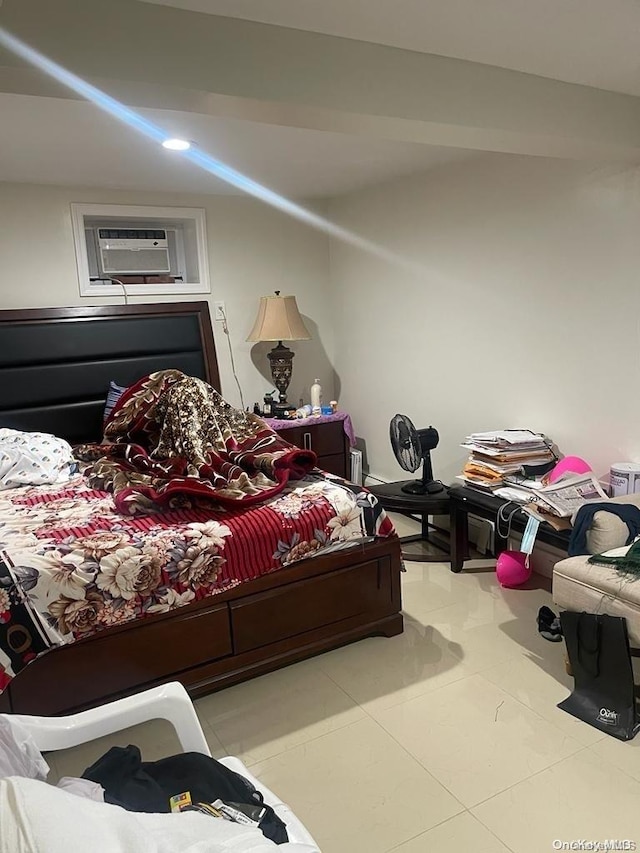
(549, 625)
(546, 615)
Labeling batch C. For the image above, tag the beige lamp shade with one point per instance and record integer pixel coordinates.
(278, 320)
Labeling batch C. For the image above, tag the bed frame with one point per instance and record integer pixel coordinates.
(55, 368)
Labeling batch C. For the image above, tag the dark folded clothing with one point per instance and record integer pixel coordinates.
(147, 786)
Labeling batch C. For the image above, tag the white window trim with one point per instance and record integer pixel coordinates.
(89, 288)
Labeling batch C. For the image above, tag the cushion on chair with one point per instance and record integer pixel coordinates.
(582, 586)
(607, 531)
(38, 816)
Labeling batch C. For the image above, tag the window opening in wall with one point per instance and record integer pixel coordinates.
(151, 250)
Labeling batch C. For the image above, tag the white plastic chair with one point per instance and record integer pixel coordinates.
(169, 702)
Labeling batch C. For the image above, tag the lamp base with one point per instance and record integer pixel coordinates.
(281, 360)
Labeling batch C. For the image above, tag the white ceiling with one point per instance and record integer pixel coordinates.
(593, 42)
(82, 146)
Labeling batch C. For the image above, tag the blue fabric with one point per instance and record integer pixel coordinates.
(115, 392)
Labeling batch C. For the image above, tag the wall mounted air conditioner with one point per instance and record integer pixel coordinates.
(133, 251)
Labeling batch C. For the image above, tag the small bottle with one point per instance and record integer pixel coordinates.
(266, 409)
(316, 396)
(256, 410)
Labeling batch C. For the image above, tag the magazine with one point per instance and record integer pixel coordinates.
(567, 495)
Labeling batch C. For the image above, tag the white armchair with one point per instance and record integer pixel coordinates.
(167, 702)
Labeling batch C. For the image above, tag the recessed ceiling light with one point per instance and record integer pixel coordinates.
(176, 144)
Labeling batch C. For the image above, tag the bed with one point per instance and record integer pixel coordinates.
(55, 367)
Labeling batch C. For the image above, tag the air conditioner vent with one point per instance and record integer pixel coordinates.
(133, 250)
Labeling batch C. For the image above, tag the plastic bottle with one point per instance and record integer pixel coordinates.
(316, 396)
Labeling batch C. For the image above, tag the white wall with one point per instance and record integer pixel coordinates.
(253, 251)
(526, 311)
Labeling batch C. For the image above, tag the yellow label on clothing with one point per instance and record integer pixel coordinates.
(180, 801)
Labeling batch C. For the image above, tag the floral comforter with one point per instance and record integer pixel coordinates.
(71, 565)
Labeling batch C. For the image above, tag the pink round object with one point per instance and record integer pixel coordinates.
(512, 568)
(574, 464)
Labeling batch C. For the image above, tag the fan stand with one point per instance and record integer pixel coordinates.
(426, 486)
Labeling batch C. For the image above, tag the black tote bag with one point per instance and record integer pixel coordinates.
(604, 692)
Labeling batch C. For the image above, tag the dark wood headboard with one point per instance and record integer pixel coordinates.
(56, 363)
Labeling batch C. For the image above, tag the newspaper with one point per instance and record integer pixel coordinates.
(567, 495)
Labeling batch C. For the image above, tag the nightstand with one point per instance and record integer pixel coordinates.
(326, 438)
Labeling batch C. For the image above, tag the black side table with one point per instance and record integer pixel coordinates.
(467, 501)
(392, 498)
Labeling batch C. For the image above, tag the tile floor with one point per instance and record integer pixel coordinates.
(445, 738)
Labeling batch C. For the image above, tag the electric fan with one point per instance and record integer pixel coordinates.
(413, 446)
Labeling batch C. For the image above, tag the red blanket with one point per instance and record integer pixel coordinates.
(173, 442)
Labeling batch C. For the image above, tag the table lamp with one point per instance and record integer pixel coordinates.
(279, 320)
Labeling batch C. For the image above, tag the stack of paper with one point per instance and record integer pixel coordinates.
(500, 454)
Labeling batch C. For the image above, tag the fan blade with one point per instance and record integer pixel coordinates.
(405, 442)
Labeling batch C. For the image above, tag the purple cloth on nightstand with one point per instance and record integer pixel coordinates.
(282, 423)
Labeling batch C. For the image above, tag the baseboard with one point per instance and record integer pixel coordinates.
(368, 476)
